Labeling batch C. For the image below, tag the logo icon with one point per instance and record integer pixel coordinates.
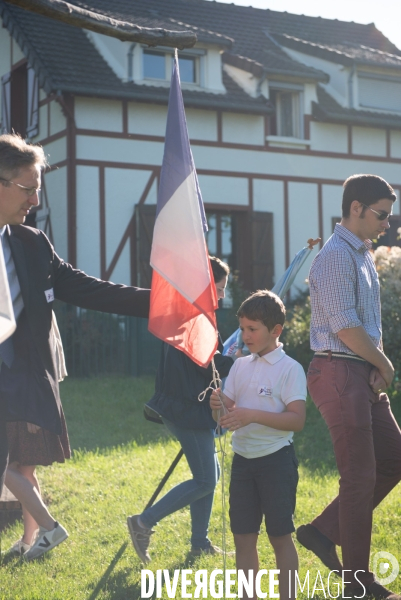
(385, 567)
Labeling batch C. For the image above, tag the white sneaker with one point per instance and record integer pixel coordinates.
(19, 548)
(46, 540)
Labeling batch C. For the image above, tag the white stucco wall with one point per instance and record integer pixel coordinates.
(224, 190)
(243, 129)
(56, 151)
(88, 220)
(310, 95)
(303, 223)
(42, 134)
(123, 189)
(119, 150)
(326, 137)
(332, 198)
(151, 198)
(202, 124)
(368, 141)
(122, 272)
(58, 121)
(147, 119)
(299, 165)
(56, 186)
(395, 144)
(213, 71)
(95, 113)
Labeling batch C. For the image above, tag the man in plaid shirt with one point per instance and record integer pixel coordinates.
(346, 380)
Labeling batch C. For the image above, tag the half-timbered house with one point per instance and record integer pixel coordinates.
(281, 109)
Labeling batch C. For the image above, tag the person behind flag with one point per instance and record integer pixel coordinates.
(179, 382)
(264, 401)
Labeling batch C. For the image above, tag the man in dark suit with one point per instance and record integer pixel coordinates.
(37, 276)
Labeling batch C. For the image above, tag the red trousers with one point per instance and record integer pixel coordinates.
(367, 445)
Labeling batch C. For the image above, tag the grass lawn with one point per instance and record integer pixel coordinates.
(118, 460)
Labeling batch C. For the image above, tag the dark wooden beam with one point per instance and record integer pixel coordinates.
(127, 32)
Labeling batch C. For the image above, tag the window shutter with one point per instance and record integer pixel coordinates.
(145, 222)
(6, 103)
(33, 103)
(377, 93)
(262, 250)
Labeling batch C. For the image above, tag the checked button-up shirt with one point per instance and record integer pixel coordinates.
(344, 291)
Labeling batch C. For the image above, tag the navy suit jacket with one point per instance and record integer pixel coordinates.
(29, 391)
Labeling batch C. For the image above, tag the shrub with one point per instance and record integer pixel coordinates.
(388, 264)
(295, 336)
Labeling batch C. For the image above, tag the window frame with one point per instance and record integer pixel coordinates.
(297, 92)
(195, 54)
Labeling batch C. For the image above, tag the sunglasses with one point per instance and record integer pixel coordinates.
(381, 216)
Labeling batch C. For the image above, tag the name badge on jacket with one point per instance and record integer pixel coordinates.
(49, 295)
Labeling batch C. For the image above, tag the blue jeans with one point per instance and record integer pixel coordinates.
(199, 449)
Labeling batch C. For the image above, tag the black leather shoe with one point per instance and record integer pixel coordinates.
(319, 544)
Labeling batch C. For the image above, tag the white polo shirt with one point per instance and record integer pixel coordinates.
(270, 383)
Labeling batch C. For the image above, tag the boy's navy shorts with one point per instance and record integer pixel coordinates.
(264, 486)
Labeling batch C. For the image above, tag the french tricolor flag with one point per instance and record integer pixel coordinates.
(183, 298)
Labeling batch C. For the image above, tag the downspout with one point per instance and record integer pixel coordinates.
(130, 57)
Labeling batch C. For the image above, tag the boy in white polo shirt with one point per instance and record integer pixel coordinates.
(263, 404)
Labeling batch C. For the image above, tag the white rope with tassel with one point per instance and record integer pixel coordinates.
(214, 385)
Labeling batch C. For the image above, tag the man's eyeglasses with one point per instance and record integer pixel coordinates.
(381, 216)
(29, 190)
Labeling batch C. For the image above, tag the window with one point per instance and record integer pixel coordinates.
(187, 69)
(158, 65)
(287, 120)
(219, 236)
(379, 93)
(220, 242)
(154, 66)
(20, 102)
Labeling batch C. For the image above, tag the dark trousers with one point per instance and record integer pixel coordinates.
(3, 452)
(367, 445)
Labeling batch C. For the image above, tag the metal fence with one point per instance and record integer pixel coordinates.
(103, 344)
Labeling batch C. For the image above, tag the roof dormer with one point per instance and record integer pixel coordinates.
(200, 67)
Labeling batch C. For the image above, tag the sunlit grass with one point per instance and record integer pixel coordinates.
(119, 458)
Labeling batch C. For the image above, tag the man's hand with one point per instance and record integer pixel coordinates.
(387, 374)
(360, 343)
(33, 428)
(236, 418)
(377, 382)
